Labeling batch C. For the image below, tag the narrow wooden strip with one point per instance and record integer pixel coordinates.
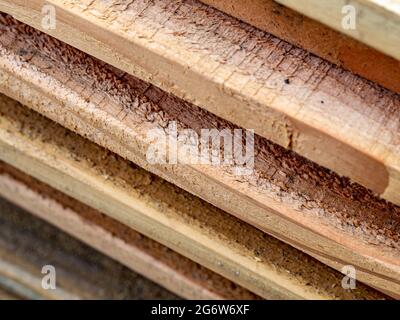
(377, 21)
(156, 262)
(28, 243)
(162, 212)
(243, 75)
(316, 38)
(286, 195)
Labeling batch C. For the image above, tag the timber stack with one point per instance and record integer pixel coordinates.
(221, 149)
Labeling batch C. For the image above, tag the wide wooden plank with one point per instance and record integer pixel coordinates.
(377, 21)
(27, 244)
(139, 253)
(285, 195)
(163, 212)
(316, 38)
(243, 75)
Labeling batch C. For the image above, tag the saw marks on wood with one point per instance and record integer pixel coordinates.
(377, 21)
(156, 262)
(163, 212)
(243, 75)
(316, 38)
(287, 196)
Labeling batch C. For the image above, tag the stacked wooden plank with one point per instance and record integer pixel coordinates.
(324, 189)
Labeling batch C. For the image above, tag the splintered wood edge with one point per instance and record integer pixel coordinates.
(322, 119)
(229, 257)
(377, 265)
(378, 22)
(131, 255)
(315, 37)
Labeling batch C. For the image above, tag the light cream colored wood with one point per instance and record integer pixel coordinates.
(161, 211)
(150, 259)
(377, 21)
(252, 79)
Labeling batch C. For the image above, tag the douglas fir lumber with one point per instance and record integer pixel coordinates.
(27, 244)
(156, 262)
(243, 75)
(377, 21)
(163, 212)
(284, 195)
(316, 38)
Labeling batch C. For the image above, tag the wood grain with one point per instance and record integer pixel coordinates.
(316, 38)
(163, 212)
(142, 255)
(378, 21)
(244, 75)
(338, 222)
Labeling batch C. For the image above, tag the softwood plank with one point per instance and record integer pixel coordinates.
(28, 243)
(286, 195)
(162, 212)
(316, 38)
(378, 21)
(150, 259)
(243, 75)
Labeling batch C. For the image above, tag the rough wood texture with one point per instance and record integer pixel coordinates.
(163, 212)
(156, 262)
(27, 244)
(286, 195)
(244, 75)
(378, 21)
(315, 37)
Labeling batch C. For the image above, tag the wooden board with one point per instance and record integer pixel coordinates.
(377, 24)
(163, 212)
(316, 38)
(285, 196)
(150, 259)
(243, 75)
(28, 243)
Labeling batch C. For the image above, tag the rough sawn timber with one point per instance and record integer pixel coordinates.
(244, 75)
(316, 38)
(163, 212)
